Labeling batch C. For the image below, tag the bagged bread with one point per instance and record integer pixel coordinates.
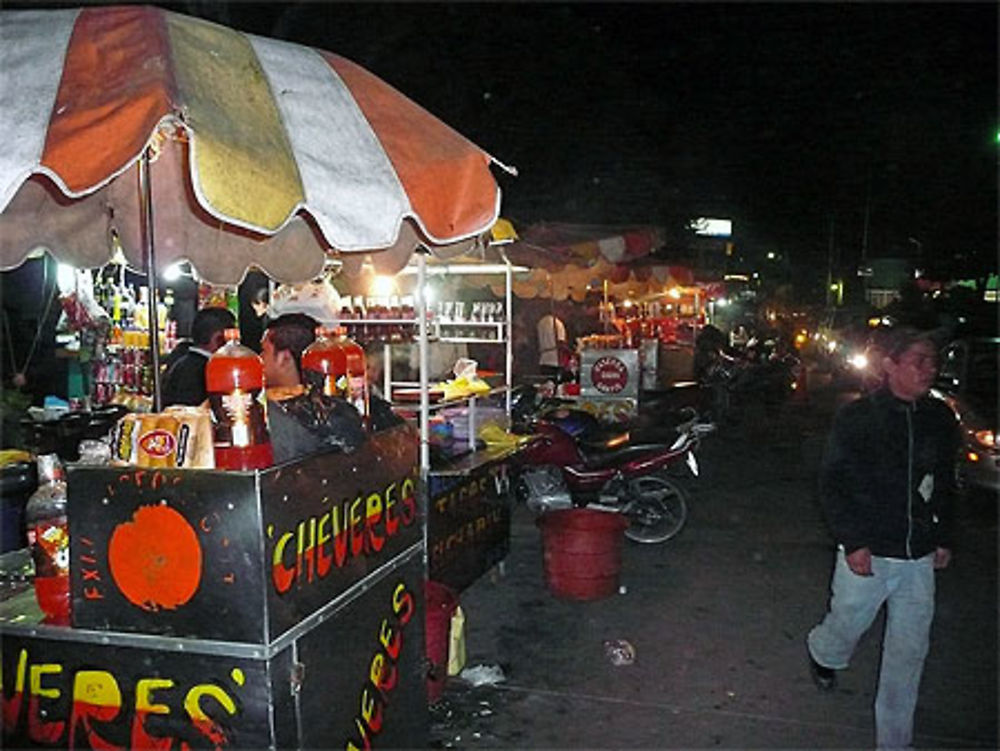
(180, 437)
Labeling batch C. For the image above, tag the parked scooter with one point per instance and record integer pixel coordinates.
(560, 471)
(758, 371)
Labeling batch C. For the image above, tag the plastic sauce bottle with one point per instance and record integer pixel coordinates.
(48, 537)
(357, 373)
(234, 379)
(324, 364)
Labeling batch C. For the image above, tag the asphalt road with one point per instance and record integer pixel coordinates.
(718, 618)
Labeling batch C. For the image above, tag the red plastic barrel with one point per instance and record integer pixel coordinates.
(582, 552)
(441, 603)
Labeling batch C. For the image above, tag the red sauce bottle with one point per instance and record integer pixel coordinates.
(234, 379)
(48, 538)
(357, 373)
(324, 364)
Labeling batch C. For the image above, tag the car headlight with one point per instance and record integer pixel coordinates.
(986, 438)
(831, 346)
(859, 361)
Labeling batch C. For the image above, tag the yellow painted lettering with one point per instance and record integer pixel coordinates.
(36, 674)
(144, 689)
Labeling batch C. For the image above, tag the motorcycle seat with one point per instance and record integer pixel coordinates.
(607, 459)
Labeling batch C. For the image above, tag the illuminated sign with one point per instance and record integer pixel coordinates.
(609, 375)
(707, 227)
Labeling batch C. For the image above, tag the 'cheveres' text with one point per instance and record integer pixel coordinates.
(161, 713)
(351, 528)
(383, 671)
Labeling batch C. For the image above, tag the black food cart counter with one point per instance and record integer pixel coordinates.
(468, 515)
(281, 608)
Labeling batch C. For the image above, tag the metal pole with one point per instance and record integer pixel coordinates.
(509, 329)
(425, 449)
(149, 252)
(387, 372)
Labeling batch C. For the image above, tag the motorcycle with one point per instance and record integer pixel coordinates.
(760, 371)
(559, 471)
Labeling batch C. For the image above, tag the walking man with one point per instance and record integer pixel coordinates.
(887, 486)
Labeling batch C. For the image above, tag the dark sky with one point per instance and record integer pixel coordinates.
(781, 116)
(777, 115)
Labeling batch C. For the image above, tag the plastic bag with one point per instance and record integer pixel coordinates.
(318, 299)
(456, 642)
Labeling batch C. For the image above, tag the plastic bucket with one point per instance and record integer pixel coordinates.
(441, 603)
(582, 552)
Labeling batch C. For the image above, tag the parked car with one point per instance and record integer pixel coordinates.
(967, 382)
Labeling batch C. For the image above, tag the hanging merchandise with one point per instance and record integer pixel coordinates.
(48, 538)
(317, 299)
(234, 377)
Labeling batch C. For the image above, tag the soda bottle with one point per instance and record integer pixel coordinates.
(324, 364)
(234, 379)
(48, 537)
(357, 373)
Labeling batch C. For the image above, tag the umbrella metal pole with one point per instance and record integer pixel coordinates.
(509, 330)
(425, 449)
(149, 252)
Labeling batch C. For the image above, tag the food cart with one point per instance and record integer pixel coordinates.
(276, 608)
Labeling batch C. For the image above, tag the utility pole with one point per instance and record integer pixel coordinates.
(863, 269)
(829, 263)
(868, 211)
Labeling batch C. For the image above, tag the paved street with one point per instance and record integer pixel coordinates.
(718, 618)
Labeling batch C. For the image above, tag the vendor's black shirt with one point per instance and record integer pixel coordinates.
(184, 382)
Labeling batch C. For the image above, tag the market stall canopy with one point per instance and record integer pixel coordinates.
(264, 152)
(569, 260)
(554, 245)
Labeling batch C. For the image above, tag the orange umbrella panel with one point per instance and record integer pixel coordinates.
(274, 137)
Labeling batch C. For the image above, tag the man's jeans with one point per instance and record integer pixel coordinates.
(908, 588)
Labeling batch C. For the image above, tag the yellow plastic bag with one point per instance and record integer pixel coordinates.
(456, 642)
(494, 435)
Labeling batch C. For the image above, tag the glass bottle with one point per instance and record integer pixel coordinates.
(234, 379)
(48, 538)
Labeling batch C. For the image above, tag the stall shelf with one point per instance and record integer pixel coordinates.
(468, 504)
(215, 608)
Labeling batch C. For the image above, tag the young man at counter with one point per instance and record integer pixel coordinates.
(302, 421)
(184, 382)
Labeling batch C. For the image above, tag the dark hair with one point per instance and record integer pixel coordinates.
(292, 332)
(208, 321)
(900, 338)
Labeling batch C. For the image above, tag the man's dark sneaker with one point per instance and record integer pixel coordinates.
(825, 678)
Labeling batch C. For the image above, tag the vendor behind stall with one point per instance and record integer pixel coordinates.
(302, 421)
(184, 382)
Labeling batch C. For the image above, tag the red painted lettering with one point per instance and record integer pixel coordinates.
(373, 516)
(281, 574)
(391, 522)
(12, 706)
(323, 559)
(38, 730)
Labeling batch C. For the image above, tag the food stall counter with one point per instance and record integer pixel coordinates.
(277, 608)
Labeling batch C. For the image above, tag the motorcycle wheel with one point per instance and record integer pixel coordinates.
(657, 509)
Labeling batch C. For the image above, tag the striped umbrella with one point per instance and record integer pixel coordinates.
(255, 151)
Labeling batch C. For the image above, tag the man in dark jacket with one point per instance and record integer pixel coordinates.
(887, 484)
(184, 382)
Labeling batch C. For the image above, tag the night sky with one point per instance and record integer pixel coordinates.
(781, 116)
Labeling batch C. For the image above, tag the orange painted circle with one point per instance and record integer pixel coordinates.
(155, 559)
